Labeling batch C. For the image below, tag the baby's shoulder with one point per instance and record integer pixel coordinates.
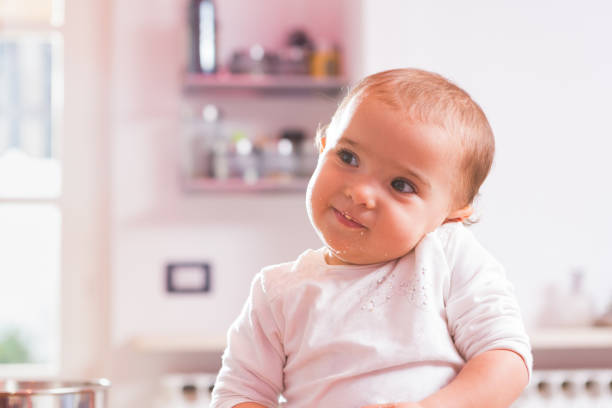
(277, 279)
(450, 233)
(447, 237)
(457, 241)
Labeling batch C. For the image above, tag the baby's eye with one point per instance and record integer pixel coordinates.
(348, 157)
(403, 186)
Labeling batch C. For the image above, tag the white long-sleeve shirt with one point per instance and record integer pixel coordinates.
(348, 336)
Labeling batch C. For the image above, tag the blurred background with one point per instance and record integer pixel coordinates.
(154, 156)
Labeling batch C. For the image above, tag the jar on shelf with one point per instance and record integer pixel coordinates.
(207, 143)
(325, 61)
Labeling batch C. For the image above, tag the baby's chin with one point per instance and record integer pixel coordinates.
(335, 256)
(341, 251)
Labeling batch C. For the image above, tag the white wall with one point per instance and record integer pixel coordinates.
(84, 152)
(541, 71)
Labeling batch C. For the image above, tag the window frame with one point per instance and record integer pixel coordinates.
(81, 129)
(53, 31)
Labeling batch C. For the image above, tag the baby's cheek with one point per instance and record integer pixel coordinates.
(400, 234)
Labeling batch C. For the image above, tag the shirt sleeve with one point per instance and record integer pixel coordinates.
(483, 313)
(252, 364)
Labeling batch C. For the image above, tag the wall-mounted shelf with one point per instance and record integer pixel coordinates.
(220, 156)
(285, 84)
(179, 344)
(571, 338)
(198, 185)
(586, 338)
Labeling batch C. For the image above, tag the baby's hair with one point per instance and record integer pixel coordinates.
(426, 97)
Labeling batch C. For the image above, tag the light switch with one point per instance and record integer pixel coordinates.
(188, 277)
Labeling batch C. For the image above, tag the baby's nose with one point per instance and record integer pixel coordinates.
(362, 194)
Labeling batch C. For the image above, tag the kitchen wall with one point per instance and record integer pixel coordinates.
(153, 221)
(541, 72)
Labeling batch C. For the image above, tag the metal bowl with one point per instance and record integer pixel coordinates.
(53, 394)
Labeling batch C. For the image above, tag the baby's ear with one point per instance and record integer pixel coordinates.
(321, 142)
(321, 137)
(460, 215)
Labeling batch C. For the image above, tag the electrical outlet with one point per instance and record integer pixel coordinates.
(188, 277)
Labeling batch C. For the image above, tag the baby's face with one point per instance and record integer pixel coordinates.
(382, 182)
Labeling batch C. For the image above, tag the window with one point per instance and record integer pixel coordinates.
(31, 83)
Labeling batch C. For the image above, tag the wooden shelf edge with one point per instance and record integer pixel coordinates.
(238, 185)
(194, 82)
(541, 339)
(179, 343)
(559, 338)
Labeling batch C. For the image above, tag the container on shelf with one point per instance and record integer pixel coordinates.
(567, 303)
(202, 37)
(325, 61)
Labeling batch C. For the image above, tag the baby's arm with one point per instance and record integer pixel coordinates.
(493, 379)
(485, 321)
(252, 368)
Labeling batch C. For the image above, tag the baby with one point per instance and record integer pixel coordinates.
(401, 307)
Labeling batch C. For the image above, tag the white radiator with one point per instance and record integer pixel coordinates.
(587, 388)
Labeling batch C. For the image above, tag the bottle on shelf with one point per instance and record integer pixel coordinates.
(202, 37)
(206, 138)
(568, 303)
(606, 318)
(246, 158)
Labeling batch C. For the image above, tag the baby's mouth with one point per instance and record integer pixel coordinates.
(347, 220)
